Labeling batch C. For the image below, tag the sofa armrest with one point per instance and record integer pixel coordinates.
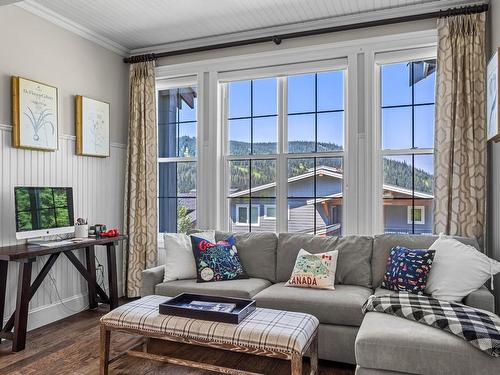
(481, 299)
(150, 278)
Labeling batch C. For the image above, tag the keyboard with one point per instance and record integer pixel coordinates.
(55, 243)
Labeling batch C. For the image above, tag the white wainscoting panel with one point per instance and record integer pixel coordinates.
(97, 184)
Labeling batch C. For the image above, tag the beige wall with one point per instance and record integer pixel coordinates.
(37, 49)
(494, 161)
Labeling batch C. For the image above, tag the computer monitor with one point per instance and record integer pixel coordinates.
(43, 211)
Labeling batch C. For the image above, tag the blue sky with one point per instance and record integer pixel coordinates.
(301, 102)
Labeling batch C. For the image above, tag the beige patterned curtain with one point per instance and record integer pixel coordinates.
(140, 185)
(460, 136)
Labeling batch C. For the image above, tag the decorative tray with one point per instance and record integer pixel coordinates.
(205, 307)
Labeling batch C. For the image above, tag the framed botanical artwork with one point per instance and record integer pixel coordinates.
(34, 115)
(492, 119)
(92, 127)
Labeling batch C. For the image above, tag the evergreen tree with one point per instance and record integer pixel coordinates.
(184, 223)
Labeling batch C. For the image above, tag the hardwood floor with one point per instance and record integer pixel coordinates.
(71, 346)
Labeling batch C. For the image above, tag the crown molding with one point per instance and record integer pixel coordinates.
(55, 18)
(309, 25)
(33, 7)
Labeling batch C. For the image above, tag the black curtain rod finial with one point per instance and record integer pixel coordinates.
(139, 58)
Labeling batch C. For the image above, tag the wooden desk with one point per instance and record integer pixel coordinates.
(25, 255)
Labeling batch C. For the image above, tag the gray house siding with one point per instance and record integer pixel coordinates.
(301, 215)
(396, 220)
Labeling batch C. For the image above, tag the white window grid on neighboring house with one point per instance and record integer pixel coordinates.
(412, 214)
(266, 211)
(245, 206)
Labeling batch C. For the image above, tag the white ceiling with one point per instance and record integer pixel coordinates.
(138, 25)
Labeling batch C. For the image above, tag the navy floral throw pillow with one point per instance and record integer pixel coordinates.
(217, 261)
(408, 270)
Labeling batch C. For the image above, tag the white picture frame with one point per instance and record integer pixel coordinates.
(92, 127)
(492, 118)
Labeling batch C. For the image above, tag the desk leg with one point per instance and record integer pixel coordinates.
(23, 299)
(3, 289)
(90, 258)
(112, 276)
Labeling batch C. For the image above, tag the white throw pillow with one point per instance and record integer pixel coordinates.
(179, 258)
(458, 270)
(314, 270)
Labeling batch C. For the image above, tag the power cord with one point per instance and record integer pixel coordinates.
(100, 277)
(54, 284)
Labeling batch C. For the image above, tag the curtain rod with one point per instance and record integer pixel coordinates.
(277, 39)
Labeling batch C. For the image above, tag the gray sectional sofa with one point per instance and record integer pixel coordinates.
(377, 343)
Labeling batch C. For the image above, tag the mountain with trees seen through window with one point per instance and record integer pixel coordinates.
(397, 173)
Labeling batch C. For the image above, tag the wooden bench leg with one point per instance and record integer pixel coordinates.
(105, 343)
(296, 363)
(313, 354)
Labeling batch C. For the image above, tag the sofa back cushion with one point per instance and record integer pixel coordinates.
(353, 260)
(257, 252)
(382, 245)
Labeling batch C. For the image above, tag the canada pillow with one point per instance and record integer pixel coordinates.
(314, 270)
(217, 261)
(408, 270)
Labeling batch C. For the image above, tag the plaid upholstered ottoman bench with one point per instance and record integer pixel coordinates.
(265, 332)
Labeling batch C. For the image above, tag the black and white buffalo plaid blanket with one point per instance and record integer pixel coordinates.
(478, 327)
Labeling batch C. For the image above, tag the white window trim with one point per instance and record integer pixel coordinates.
(410, 219)
(238, 206)
(169, 84)
(378, 59)
(266, 206)
(281, 159)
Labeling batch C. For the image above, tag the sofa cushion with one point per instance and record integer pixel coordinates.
(420, 349)
(481, 299)
(340, 306)
(257, 251)
(242, 288)
(353, 262)
(382, 245)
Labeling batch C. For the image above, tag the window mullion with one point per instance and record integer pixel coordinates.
(281, 160)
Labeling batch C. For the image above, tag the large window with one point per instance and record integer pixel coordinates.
(407, 145)
(177, 151)
(288, 129)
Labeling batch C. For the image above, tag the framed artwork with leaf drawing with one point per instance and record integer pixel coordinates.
(91, 127)
(492, 119)
(34, 115)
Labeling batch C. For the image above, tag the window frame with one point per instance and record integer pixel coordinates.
(410, 218)
(172, 84)
(362, 212)
(379, 59)
(266, 207)
(242, 205)
(282, 156)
